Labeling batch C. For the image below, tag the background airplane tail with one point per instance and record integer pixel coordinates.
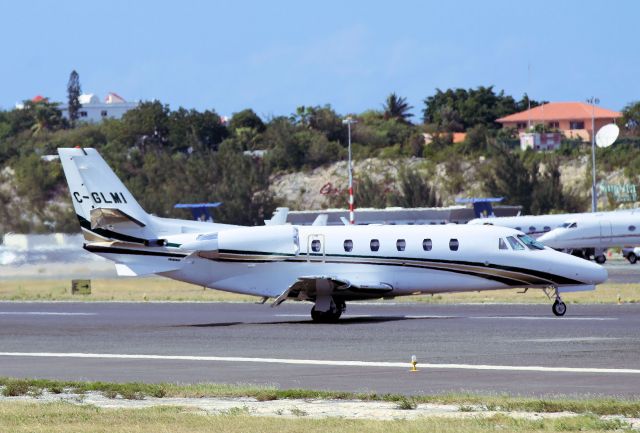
(104, 206)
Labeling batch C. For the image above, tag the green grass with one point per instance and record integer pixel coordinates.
(19, 417)
(598, 406)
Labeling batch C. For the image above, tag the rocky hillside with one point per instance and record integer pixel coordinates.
(314, 189)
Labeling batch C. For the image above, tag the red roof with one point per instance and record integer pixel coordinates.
(560, 111)
(38, 98)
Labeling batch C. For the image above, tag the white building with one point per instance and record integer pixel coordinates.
(93, 110)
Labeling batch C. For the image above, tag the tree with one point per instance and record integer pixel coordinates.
(396, 107)
(45, 116)
(631, 118)
(416, 190)
(73, 94)
(508, 176)
(455, 110)
(246, 119)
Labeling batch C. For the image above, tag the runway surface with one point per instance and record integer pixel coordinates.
(519, 349)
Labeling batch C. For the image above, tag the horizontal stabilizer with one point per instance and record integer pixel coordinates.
(108, 218)
(140, 269)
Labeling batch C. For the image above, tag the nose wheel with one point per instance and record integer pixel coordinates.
(558, 307)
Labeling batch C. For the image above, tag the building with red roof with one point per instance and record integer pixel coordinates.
(573, 119)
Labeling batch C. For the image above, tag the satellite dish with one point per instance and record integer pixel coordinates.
(607, 135)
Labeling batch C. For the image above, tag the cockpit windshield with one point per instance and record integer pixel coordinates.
(570, 225)
(531, 243)
(514, 243)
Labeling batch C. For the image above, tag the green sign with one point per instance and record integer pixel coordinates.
(622, 193)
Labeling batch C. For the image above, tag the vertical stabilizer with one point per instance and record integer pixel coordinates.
(105, 207)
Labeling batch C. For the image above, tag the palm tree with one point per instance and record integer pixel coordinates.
(396, 107)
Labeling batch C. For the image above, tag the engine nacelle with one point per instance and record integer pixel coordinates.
(282, 239)
(278, 240)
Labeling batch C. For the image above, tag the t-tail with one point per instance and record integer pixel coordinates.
(105, 208)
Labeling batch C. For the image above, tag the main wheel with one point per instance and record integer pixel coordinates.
(330, 316)
(632, 258)
(559, 308)
(600, 259)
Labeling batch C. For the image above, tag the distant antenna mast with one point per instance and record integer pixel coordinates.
(529, 97)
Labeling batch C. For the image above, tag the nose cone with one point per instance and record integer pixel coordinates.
(548, 238)
(592, 273)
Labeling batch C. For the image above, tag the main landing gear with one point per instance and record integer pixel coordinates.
(558, 307)
(332, 315)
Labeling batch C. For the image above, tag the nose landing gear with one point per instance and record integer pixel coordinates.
(558, 307)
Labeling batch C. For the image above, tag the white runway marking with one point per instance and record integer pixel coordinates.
(571, 340)
(543, 318)
(42, 313)
(332, 363)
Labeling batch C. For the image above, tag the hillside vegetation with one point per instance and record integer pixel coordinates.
(170, 156)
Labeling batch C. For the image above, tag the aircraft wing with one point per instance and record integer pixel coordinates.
(308, 287)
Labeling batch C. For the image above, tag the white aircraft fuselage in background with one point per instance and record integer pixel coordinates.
(599, 230)
(548, 228)
(327, 265)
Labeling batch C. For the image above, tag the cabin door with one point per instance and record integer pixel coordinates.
(316, 248)
(605, 231)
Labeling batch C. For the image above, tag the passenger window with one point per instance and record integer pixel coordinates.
(502, 244)
(401, 244)
(532, 229)
(514, 243)
(427, 245)
(547, 229)
(348, 245)
(519, 229)
(632, 228)
(374, 244)
(315, 245)
(454, 244)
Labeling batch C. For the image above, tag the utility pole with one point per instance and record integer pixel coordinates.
(350, 121)
(594, 195)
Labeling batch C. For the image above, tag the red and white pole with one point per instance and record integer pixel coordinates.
(352, 219)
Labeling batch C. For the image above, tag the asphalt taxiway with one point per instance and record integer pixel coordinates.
(518, 349)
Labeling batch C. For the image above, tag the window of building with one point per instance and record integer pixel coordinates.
(521, 125)
(575, 124)
(502, 244)
(374, 244)
(427, 245)
(315, 245)
(454, 244)
(554, 125)
(83, 114)
(401, 244)
(514, 243)
(348, 245)
(103, 113)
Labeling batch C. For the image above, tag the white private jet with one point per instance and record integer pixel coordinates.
(541, 226)
(327, 265)
(600, 230)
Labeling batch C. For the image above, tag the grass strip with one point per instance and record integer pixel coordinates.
(20, 417)
(162, 289)
(137, 390)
